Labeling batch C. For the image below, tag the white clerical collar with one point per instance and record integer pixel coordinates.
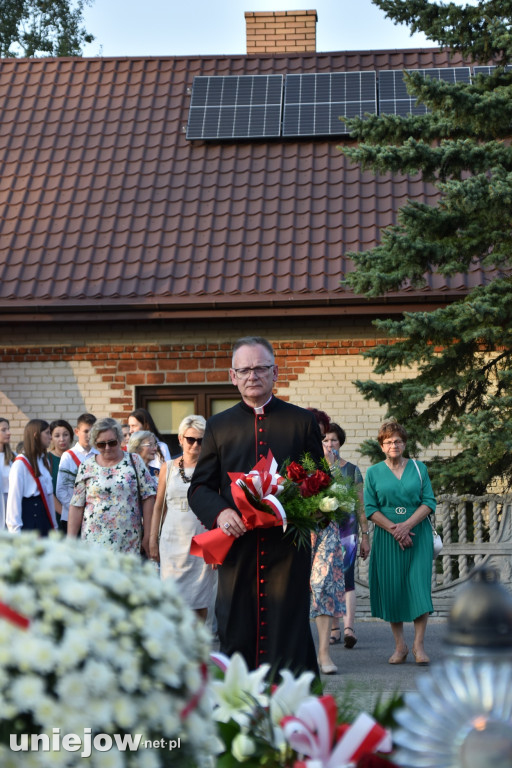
(261, 408)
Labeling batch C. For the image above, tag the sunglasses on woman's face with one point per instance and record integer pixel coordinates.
(107, 444)
(192, 440)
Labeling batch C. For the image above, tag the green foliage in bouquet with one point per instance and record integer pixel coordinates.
(314, 496)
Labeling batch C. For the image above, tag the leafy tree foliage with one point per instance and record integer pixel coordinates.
(42, 27)
(460, 355)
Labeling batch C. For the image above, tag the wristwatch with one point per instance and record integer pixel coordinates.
(364, 533)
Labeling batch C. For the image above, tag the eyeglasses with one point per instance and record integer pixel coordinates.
(259, 371)
(393, 442)
(148, 445)
(192, 440)
(107, 444)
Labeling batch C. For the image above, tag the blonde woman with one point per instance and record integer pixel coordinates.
(197, 580)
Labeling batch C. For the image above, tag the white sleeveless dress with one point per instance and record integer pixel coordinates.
(197, 581)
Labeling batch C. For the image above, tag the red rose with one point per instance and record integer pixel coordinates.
(296, 472)
(314, 484)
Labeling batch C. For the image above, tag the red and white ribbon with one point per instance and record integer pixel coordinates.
(312, 730)
(213, 546)
(220, 660)
(265, 483)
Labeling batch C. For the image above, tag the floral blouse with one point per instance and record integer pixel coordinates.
(112, 514)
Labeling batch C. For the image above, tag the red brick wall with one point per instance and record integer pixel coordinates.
(122, 367)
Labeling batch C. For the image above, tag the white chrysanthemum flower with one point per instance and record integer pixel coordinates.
(98, 676)
(149, 758)
(26, 691)
(103, 709)
(104, 636)
(111, 759)
(125, 713)
(47, 712)
(73, 688)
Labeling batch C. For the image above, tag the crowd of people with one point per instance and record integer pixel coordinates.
(116, 485)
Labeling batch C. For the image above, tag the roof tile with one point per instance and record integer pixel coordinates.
(103, 198)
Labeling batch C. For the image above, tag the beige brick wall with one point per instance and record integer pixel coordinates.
(328, 384)
(60, 372)
(280, 31)
(50, 390)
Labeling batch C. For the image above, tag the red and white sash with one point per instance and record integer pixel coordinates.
(39, 488)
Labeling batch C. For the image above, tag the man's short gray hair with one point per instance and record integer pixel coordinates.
(252, 341)
(137, 438)
(192, 422)
(102, 425)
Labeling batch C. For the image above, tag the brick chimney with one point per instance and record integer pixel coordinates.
(281, 31)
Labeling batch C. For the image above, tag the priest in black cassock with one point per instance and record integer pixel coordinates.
(263, 590)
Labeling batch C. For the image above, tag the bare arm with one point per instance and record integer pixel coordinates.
(76, 515)
(157, 514)
(147, 514)
(364, 546)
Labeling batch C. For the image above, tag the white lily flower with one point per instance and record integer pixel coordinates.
(239, 692)
(289, 694)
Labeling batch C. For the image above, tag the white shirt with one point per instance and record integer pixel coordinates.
(66, 475)
(4, 471)
(164, 450)
(4, 487)
(22, 485)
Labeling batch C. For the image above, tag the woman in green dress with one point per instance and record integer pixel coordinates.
(398, 499)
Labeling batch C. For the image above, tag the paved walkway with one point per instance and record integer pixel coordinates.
(364, 669)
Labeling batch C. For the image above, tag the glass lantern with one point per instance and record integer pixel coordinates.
(461, 714)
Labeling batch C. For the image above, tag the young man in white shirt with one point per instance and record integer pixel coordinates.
(69, 463)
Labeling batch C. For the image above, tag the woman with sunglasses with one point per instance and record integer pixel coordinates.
(114, 494)
(145, 444)
(196, 579)
(141, 419)
(398, 498)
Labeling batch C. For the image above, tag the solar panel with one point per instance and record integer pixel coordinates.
(314, 102)
(488, 70)
(394, 98)
(483, 70)
(235, 107)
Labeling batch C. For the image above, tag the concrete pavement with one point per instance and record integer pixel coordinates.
(364, 669)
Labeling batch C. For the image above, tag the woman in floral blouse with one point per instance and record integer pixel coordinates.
(114, 494)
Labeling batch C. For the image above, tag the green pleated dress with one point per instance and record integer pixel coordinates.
(400, 580)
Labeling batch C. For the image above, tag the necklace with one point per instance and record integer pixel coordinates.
(181, 469)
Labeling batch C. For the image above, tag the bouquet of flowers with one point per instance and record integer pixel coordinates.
(99, 659)
(315, 496)
(285, 726)
(301, 499)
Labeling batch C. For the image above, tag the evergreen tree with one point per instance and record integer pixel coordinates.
(42, 27)
(461, 355)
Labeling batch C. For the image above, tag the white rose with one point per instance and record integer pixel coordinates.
(242, 747)
(328, 504)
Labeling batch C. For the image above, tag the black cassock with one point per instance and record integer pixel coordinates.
(263, 591)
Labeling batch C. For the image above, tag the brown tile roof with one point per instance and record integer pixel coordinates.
(105, 204)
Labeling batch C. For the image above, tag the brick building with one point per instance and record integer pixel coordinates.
(132, 256)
